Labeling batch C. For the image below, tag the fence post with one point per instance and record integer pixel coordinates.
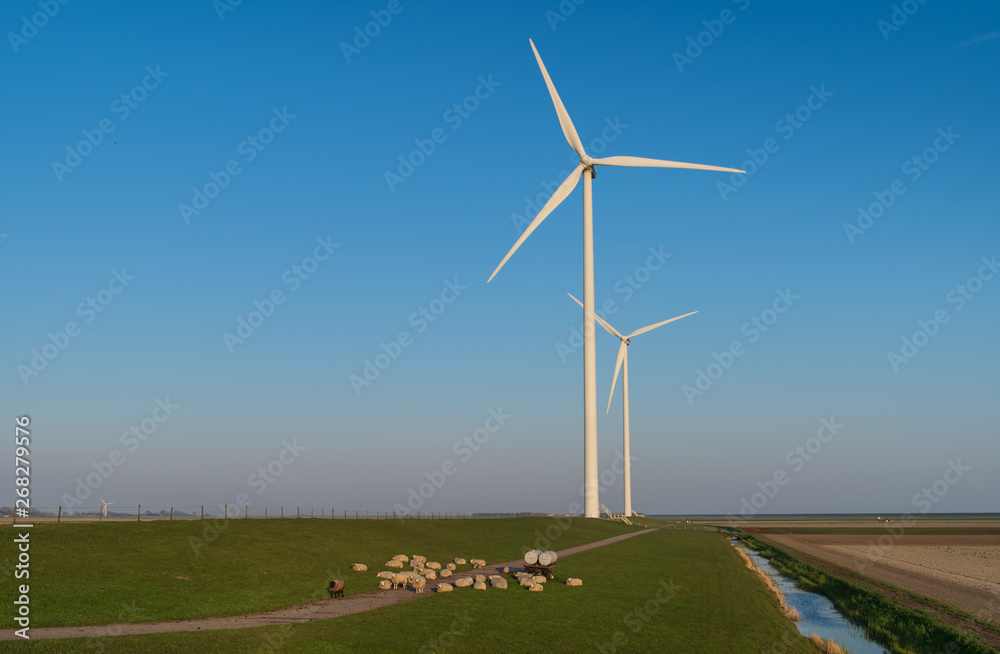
(282, 510)
(226, 510)
(138, 512)
(265, 511)
(345, 514)
(59, 519)
(310, 512)
(171, 513)
(355, 514)
(246, 511)
(202, 511)
(366, 514)
(298, 514)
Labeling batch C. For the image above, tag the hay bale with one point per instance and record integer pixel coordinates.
(531, 557)
(573, 581)
(359, 567)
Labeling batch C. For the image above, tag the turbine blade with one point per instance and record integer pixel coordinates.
(659, 324)
(622, 353)
(567, 125)
(606, 326)
(564, 190)
(642, 162)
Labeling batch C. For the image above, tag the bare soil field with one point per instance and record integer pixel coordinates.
(960, 570)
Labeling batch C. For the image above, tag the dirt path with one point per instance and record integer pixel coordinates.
(877, 575)
(307, 612)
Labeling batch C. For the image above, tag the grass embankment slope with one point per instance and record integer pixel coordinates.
(85, 574)
(663, 591)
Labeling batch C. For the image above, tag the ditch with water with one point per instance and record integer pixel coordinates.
(819, 616)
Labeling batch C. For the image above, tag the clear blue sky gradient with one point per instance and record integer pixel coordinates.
(348, 119)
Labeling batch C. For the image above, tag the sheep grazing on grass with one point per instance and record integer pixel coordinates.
(401, 558)
(527, 581)
(385, 584)
(477, 564)
(481, 578)
(417, 557)
(434, 565)
(573, 581)
(536, 587)
(359, 567)
(450, 566)
(499, 582)
(394, 564)
(445, 588)
(400, 579)
(385, 574)
(479, 585)
(430, 575)
(462, 582)
(418, 583)
(540, 579)
(445, 574)
(459, 561)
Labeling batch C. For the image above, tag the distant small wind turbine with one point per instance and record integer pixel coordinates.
(623, 362)
(587, 170)
(104, 508)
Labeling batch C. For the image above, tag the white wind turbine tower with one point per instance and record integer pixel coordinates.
(104, 508)
(587, 164)
(619, 364)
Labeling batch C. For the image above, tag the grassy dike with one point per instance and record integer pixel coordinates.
(665, 591)
(100, 573)
(885, 620)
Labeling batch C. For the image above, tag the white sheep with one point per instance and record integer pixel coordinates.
(477, 564)
(445, 588)
(385, 574)
(479, 585)
(430, 575)
(400, 579)
(536, 587)
(385, 584)
(394, 564)
(506, 570)
(481, 578)
(417, 557)
(402, 558)
(450, 566)
(459, 561)
(527, 581)
(499, 583)
(573, 581)
(418, 583)
(434, 565)
(445, 574)
(540, 579)
(462, 582)
(359, 567)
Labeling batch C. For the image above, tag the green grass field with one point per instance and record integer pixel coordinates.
(88, 573)
(676, 591)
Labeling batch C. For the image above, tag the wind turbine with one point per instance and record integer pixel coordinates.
(619, 364)
(587, 164)
(104, 508)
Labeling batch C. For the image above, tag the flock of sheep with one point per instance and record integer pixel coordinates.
(421, 571)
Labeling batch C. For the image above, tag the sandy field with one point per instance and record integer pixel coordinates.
(961, 570)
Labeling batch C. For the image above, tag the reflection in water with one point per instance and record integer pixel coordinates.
(819, 616)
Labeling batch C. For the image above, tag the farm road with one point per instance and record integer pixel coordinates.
(321, 610)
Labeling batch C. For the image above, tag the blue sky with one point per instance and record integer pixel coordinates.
(293, 126)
